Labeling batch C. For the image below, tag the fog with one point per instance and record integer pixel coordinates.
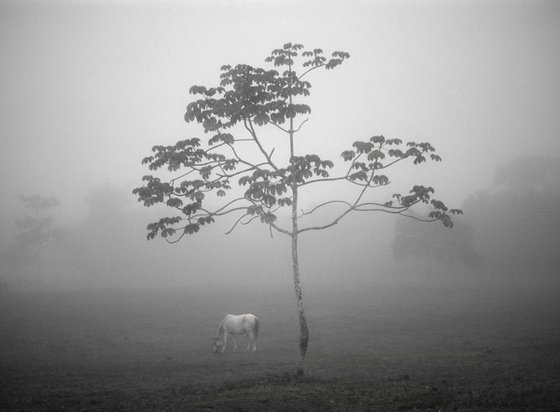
(88, 89)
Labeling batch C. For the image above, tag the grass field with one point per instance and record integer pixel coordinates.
(390, 346)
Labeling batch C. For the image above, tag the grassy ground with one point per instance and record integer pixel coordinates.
(389, 347)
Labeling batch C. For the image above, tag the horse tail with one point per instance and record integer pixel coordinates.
(256, 327)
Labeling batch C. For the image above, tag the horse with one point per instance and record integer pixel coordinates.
(237, 325)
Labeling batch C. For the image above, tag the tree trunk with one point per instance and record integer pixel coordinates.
(304, 331)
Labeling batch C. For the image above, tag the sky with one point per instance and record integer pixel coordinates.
(89, 87)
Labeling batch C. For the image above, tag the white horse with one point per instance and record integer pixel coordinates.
(247, 324)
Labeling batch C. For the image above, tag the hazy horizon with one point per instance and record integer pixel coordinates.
(89, 88)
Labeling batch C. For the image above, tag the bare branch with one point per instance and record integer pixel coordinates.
(280, 127)
(359, 207)
(299, 127)
(280, 230)
(334, 222)
(325, 204)
(241, 160)
(251, 130)
(311, 69)
(183, 175)
(236, 223)
(419, 218)
(325, 179)
(350, 208)
(221, 212)
(176, 240)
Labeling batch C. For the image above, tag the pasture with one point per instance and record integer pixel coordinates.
(383, 346)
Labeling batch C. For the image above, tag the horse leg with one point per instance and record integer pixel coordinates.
(251, 345)
(225, 342)
(234, 343)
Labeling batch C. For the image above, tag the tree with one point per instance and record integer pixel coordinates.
(101, 257)
(517, 221)
(249, 100)
(38, 229)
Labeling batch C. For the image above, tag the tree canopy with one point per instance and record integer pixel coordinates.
(253, 98)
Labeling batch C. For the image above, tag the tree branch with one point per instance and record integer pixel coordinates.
(350, 208)
(176, 240)
(236, 223)
(301, 124)
(251, 130)
(311, 69)
(280, 127)
(279, 229)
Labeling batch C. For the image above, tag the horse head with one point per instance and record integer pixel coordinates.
(217, 345)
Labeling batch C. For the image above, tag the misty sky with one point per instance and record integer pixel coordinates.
(89, 87)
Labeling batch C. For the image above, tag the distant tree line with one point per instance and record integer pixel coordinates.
(511, 229)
